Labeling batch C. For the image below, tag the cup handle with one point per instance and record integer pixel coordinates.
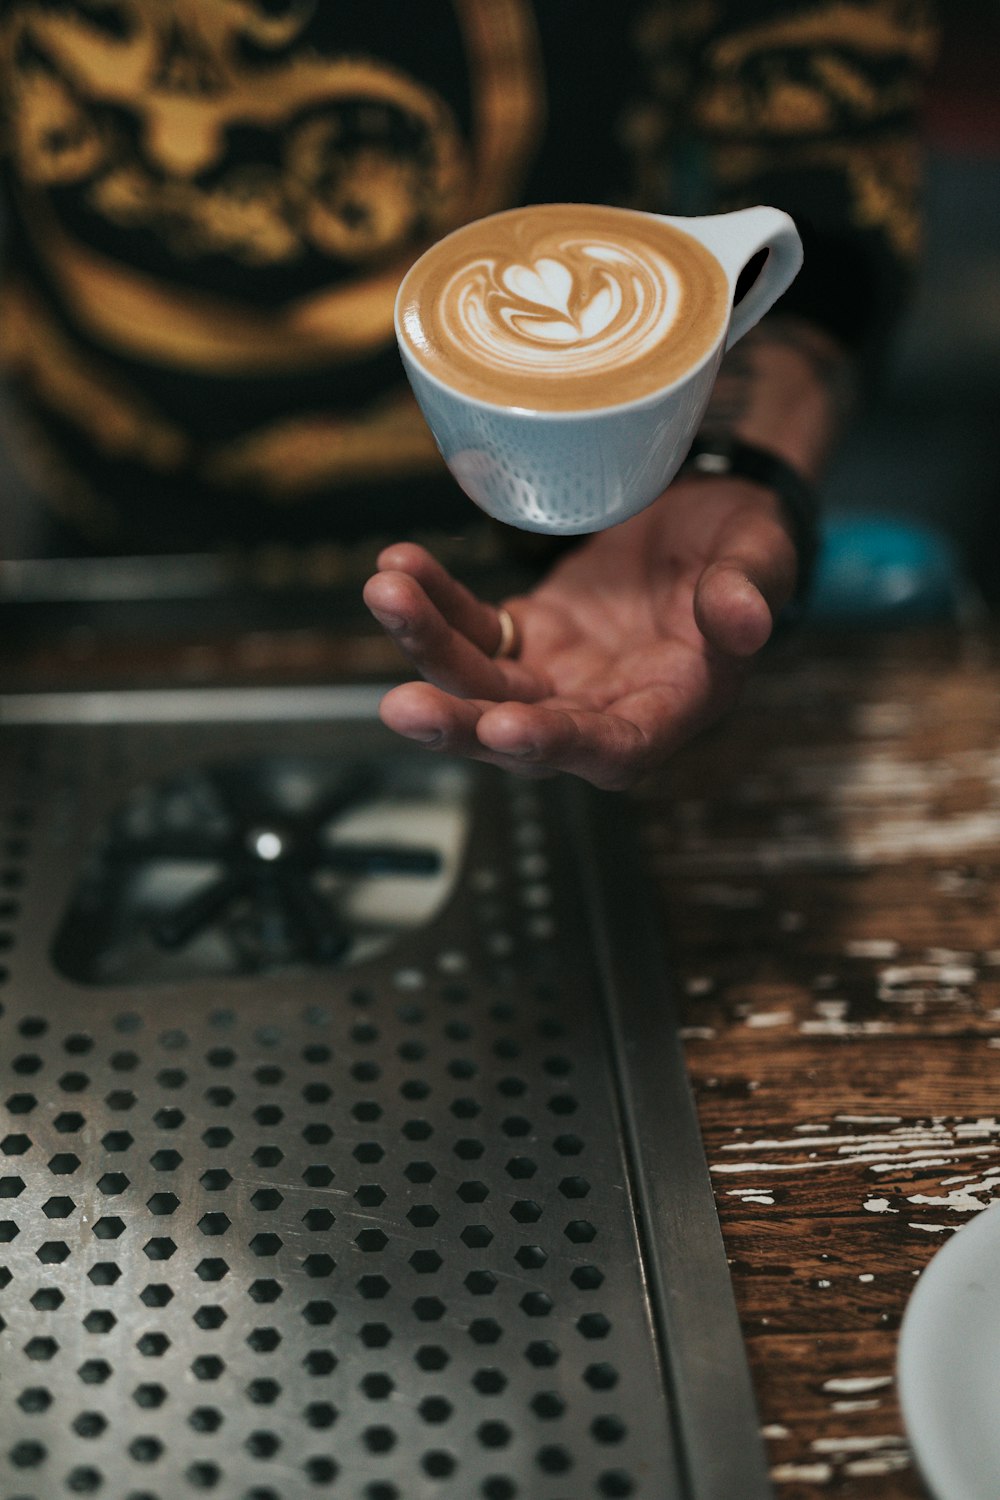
(733, 239)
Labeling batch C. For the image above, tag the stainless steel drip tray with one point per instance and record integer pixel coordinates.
(346, 1146)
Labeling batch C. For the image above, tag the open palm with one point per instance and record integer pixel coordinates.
(635, 639)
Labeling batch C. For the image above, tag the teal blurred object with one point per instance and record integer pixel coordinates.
(877, 571)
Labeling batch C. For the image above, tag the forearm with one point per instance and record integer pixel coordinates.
(787, 387)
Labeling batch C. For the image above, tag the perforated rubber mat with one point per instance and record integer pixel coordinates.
(424, 1217)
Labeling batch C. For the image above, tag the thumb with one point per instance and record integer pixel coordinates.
(731, 611)
(743, 588)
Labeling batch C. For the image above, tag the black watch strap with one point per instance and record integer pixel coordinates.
(721, 455)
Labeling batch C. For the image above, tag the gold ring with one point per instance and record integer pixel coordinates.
(509, 640)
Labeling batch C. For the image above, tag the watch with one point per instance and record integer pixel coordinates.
(721, 455)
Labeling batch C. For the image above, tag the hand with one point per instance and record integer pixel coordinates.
(635, 640)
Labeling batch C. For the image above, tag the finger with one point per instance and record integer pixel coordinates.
(731, 610)
(611, 750)
(420, 712)
(473, 617)
(749, 580)
(440, 652)
(618, 746)
(601, 748)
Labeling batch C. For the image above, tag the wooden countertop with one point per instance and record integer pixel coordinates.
(828, 864)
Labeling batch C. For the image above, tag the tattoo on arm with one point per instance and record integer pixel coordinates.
(832, 365)
(734, 389)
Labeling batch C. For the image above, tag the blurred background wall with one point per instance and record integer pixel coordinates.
(930, 450)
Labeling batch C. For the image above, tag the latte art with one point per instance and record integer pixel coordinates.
(587, 302)
(563, 306)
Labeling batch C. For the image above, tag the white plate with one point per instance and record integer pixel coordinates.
(949, 1364)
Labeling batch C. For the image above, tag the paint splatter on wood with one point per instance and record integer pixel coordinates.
(829, 867)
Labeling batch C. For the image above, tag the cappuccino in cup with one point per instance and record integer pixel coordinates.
(563, 307)
(564, 353)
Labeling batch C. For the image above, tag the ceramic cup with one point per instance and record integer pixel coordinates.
(571, 471)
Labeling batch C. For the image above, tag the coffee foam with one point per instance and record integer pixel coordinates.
(563, 306)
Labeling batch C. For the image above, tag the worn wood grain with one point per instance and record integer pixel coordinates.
(827, 864)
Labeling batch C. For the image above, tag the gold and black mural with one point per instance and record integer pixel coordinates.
(232, 189)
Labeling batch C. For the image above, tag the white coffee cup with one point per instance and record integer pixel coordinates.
(571, 471)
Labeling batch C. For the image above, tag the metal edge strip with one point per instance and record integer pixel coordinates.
(193, 705)
(702, 1345)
